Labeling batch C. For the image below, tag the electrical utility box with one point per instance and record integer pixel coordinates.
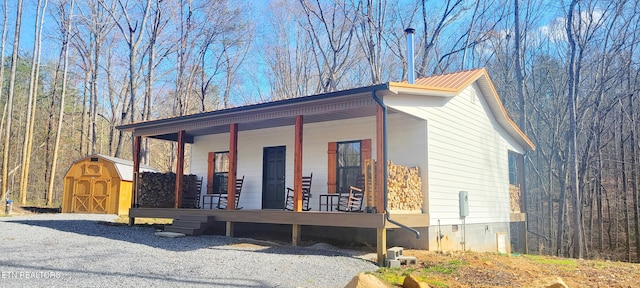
(463, 197)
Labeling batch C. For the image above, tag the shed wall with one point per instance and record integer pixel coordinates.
(95, 187)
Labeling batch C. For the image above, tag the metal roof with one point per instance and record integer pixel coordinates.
(342, 104)
(124, 167)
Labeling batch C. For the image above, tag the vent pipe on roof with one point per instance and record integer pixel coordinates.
(411, 77)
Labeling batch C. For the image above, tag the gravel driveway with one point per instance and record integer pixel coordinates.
(76, 250)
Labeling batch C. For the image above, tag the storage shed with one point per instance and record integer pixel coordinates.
(99, 184)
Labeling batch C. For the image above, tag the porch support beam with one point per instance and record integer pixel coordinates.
(297, 165)
(233, 167)
(179, 169)
(229, 229)
(380, 163)
(136, 176)
(210, 171)
(295, 234)
(381, 245)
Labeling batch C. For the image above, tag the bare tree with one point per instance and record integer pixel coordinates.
(5, 18)
(331, 28)
(371, 22)
(132, 34)
(31, 105)
(12, 83)
(290, 62)
(157, 25)
(65, 47)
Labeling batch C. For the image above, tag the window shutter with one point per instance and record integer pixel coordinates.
(365, 153)
(210, 170)
(331, 173)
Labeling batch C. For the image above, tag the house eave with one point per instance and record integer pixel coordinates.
(420, 90)
(482, 79)
(273, 109)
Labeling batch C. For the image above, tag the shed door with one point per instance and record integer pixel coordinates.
(91, 195)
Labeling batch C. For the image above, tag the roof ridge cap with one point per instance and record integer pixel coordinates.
(451, 73)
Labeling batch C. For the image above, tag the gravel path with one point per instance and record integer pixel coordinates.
(76, 250)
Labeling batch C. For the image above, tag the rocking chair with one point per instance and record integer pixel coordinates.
(224, 197)
(306, 194)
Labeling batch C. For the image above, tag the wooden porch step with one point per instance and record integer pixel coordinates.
(187, 224)
(199, 218)
(190, 224)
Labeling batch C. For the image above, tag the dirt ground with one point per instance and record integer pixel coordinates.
(473, 269)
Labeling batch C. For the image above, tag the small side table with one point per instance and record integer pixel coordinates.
(212, 200)
(328, 201)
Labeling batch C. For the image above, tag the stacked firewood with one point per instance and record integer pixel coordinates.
(157, 190)
(190, 192)
(405, 188)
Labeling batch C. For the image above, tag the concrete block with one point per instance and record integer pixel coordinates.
(392, 263)
(404, 260)
(394, 252)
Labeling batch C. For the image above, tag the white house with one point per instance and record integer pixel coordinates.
(453, 127)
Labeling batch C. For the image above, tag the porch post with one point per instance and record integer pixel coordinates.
(380, 165)
(297, 165)
(231, 178)
(229, 229)
(381, 245)
(136, 176)
(233, 166)
(295, 234)
(381, 233)
(179, 169)
(210, 171)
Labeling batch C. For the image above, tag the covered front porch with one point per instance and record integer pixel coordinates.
(304, 124)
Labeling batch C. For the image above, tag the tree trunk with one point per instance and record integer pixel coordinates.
(50, 121)
(623, 173)
(598, 188)
(634, 177)
(12, 84)
(149, 80)
(561, 214)
(574, 79)
(31, 106)
(62, 96)
(5, 19)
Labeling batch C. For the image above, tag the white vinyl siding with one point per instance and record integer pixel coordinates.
(250, 144)
(407, 136)
(406, 140)
(467, 151)
(316, 137)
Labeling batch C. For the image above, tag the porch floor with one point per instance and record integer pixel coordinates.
(314, 218)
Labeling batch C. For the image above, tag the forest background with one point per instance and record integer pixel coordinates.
(567, 72)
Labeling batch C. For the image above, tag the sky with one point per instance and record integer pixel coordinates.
(51, 48)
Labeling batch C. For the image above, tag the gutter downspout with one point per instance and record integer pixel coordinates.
(386, 172)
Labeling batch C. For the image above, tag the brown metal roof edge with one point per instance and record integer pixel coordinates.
(277, 103)
(471, 78)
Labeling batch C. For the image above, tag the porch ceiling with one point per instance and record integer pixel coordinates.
(288, 121)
